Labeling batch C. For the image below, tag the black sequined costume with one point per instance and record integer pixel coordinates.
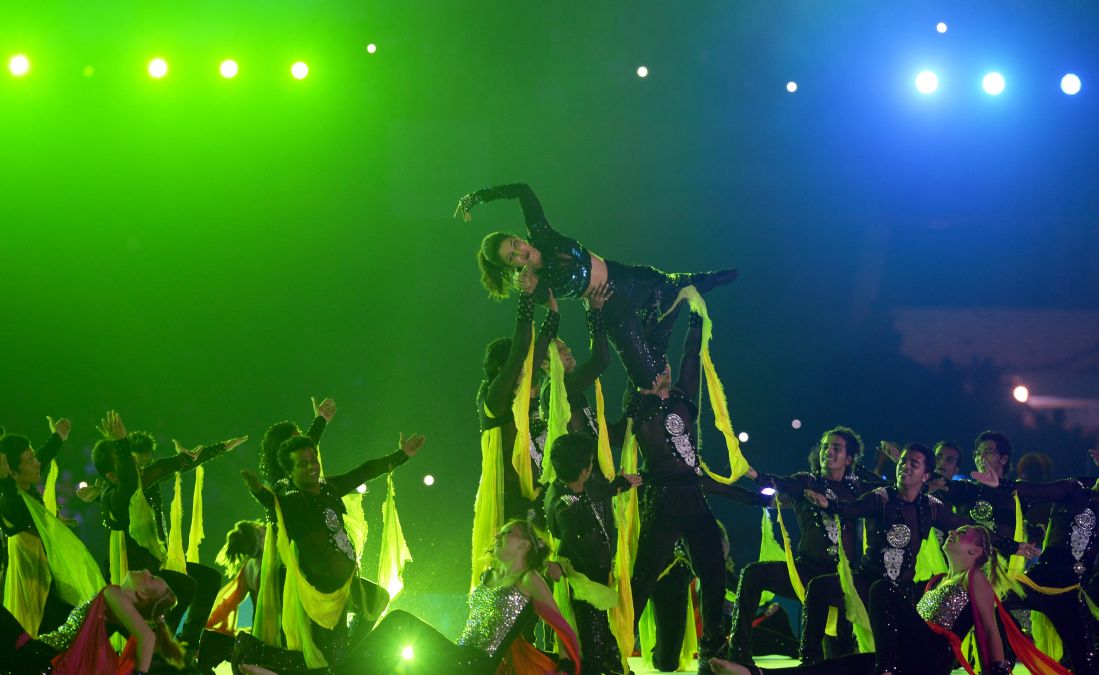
(585, 539)
(673, 503)
(566, 269)
(817, 553)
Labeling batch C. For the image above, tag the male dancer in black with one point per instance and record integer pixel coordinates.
(503, 366)
(123, 460)
(992, 508)
(898, 520)
(312, 509)
(585, 539)
(1070, 558)
(24, 469)
(673, 501)
(821, 537)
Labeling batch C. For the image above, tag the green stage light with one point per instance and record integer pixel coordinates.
(19, 65)
(229, 69)
(158, 68)
(371, 48)
(299, 70)
(407, 654)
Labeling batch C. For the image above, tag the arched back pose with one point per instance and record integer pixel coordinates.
(509, 597)
(81, 645)
(927, 638)
(569, 270)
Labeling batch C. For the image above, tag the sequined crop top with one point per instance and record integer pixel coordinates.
(945, 604)
(62, 637)
(566, 264)
(495, 612)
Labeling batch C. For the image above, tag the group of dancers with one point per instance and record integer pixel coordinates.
(568, 549)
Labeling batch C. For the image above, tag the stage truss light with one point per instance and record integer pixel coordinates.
(300, 70)
(19, 65)
(927, 82)
(642, 71)
(429, 480)
(993, 84)
(229, 69)
(371, 48)
(1021, 394)
(791, 86)
(1070, 84)
(158, 68)
(941, 27)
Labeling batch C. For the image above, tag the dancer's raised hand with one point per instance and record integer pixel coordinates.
(526, 280)
(816, 499)
(411, 445)
(599, 296)
(112, 427)
(465, 205)
(985, 477)
(61, 427)
(325, 409)
(252, 481)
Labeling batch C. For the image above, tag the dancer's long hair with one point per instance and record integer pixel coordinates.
(495, 275)
(153, 610)
(277, 433)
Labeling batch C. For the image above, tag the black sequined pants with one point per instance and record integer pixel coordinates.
(668, 514)
(756, 578)
(669, 603)
(821, 593)
(597, 643)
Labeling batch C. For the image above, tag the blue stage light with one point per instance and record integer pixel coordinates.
(1070, 84)
(927, 82)
(993, 84)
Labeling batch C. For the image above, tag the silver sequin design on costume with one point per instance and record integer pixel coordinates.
(537, 444)
(677, 429)
(943, 604)
(893, 556)
(61, 638)
(982, 514)
(831, 527)
(1083, 527)
(492, 613)
(593, 423)
(337, 534)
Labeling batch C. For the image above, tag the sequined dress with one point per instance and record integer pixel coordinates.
(947, 605)
(497, 614)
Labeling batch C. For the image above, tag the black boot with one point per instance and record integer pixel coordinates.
(707, 281)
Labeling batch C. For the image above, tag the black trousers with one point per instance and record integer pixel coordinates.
(756, 578)
(904, 643)
(669, 603)
(822, 593)
(668, 515)
(598, 648)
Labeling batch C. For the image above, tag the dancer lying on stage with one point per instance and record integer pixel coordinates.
(511, 596)
(81, 645)
(570, 270)
(927, 638)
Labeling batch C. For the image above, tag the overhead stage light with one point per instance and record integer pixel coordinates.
(371, 48)
(1070, 84)
(791, 86)
(299, 70)
(927, 82)
(941, 27)
(407, 654)
(642, 71)
(229, 69)
(429, 480)
(158, 68)
(1021, 394)
(796, 424)
(993, 84)
(743, 436)
(19, 65)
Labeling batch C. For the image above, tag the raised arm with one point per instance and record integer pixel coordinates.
(59, 433)
(585, 374)
(790, 485)
(127, 616)
(1057, 492)
(689, 366)
(537, 224)
(372, 468)
(502, 387)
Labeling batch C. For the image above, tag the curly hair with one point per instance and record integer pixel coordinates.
(1003, 444)
(495, 275)
(276, 435)
(241, 543)
(852, 440)
(289, 447)
(13, 446)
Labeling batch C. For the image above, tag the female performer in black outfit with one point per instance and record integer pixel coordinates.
(570, 270)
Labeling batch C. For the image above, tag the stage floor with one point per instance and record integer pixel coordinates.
(765, 662)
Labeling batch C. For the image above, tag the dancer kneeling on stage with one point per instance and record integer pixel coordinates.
(321, 562)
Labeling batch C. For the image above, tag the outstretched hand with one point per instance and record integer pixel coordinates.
(890, 450)
(816, 498)
(325, 409)
(252, 481)
(525, 280)
(112, 427)
(411, 445)
(751, 473)
(1028, 550)
(234, 442)
(180, 450)
(61, 427)
(986, 477)
(465, 204)
(633, 479)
